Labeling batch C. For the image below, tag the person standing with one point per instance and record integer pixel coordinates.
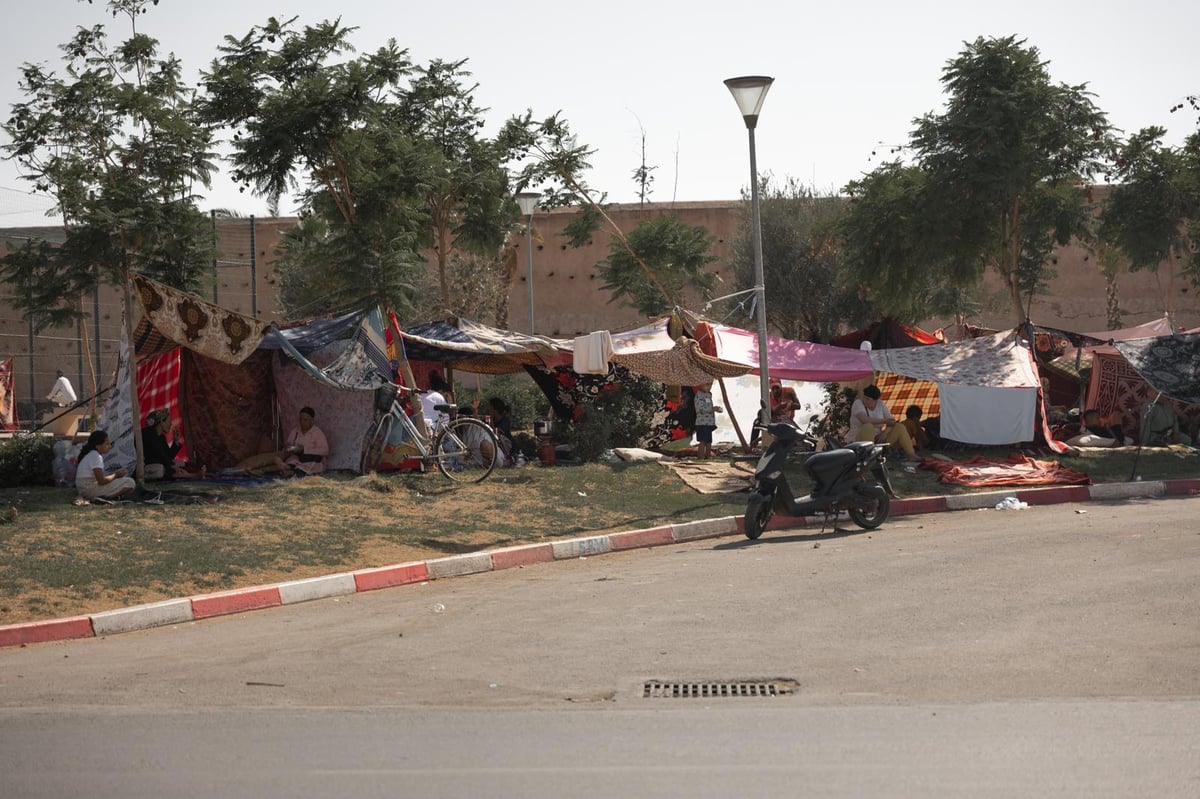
(706, 419)
(90, 479)
(63, 393)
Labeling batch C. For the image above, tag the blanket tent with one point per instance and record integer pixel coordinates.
(987, 388)
(234, 384)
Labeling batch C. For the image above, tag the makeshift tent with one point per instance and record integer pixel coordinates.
(887, 334)
(897, 391)
(464, 345)
(987, 387)
(786, 359)
(1132, 372)
(231, 380)
(1065, 358)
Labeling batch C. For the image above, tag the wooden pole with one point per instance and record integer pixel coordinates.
(737, 428)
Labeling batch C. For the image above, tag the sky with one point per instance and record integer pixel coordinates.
(850, 78)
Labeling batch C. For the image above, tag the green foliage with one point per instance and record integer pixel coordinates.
(836, 420)
(891, 242)
(26, 461)
(619, 417)
(808, 295)
(667, 259)
(1153, 214)
(119, 145)
(392, 161)
(994, 182)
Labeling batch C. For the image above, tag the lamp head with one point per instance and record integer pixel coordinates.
(527, 201)
(749, 92)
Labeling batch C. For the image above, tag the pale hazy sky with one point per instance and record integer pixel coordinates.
(848, 76)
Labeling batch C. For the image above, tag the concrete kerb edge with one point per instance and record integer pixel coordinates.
(175, 611)
(142, 617)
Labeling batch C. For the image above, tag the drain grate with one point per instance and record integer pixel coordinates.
(706, 690)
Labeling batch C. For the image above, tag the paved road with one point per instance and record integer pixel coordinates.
(1049, 651)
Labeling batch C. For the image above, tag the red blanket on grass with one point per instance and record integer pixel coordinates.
(1018, 469)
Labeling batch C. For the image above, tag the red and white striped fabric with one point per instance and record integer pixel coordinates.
(158, 389)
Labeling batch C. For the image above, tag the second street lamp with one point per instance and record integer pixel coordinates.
(749, 92)
(527, 201)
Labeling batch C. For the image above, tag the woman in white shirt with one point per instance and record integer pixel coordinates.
(870, 420)
(90, 480)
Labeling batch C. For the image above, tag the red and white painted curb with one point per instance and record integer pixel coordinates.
(175, 611)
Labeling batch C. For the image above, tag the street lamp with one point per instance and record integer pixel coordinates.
(527, 200)
(749, 92)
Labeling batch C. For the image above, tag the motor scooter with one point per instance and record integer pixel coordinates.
(851, 478)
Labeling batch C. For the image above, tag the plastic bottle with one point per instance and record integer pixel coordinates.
(520, 459)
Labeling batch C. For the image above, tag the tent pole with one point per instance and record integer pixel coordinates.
(135, 412)
(410, 380)
(737, 428)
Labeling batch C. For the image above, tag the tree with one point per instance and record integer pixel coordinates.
(892, 228)
(391, 159)
(652, 267)
(1153, 214)
(1003, 175)
(117, 142)
(467, 184)
(296, 112)
(807, 295)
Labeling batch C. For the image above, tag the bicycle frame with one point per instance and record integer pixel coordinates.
(463, 448)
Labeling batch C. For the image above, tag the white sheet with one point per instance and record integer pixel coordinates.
(983, 415)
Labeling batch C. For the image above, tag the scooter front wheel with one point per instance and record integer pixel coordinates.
(759, 510)
(872, 509)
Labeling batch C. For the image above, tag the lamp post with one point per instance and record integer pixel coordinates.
(749, 92)
(527, 200)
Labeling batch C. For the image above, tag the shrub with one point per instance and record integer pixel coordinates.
(837, 412)
(27, 460)
(621, 416)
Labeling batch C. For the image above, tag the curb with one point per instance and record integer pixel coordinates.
(175, 611)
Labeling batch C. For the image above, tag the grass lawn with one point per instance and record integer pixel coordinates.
(58, 559)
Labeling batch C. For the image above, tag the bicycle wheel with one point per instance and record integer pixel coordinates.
(373, 446)
(465, 450)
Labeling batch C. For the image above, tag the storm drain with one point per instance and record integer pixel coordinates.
(708, 690)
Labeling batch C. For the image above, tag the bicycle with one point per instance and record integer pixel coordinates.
(463, 448)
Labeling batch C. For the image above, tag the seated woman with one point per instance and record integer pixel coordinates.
(870, 420)
(306, 451)
(90, 480)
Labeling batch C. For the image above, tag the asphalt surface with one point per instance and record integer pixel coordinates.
(1047, 651)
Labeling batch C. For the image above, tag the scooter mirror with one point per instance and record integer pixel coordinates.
(813, 418)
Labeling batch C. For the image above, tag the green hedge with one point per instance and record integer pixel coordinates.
(26, 460)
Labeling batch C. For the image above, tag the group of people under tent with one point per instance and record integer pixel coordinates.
(1159, 426)
(872, 420)
(305, 452)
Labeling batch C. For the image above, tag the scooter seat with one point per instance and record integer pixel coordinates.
(834, 460)
(861, 449)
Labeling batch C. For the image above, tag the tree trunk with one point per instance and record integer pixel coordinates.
(1112, 301)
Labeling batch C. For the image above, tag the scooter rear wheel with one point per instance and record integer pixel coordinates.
(874, 511)
(759, 510)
